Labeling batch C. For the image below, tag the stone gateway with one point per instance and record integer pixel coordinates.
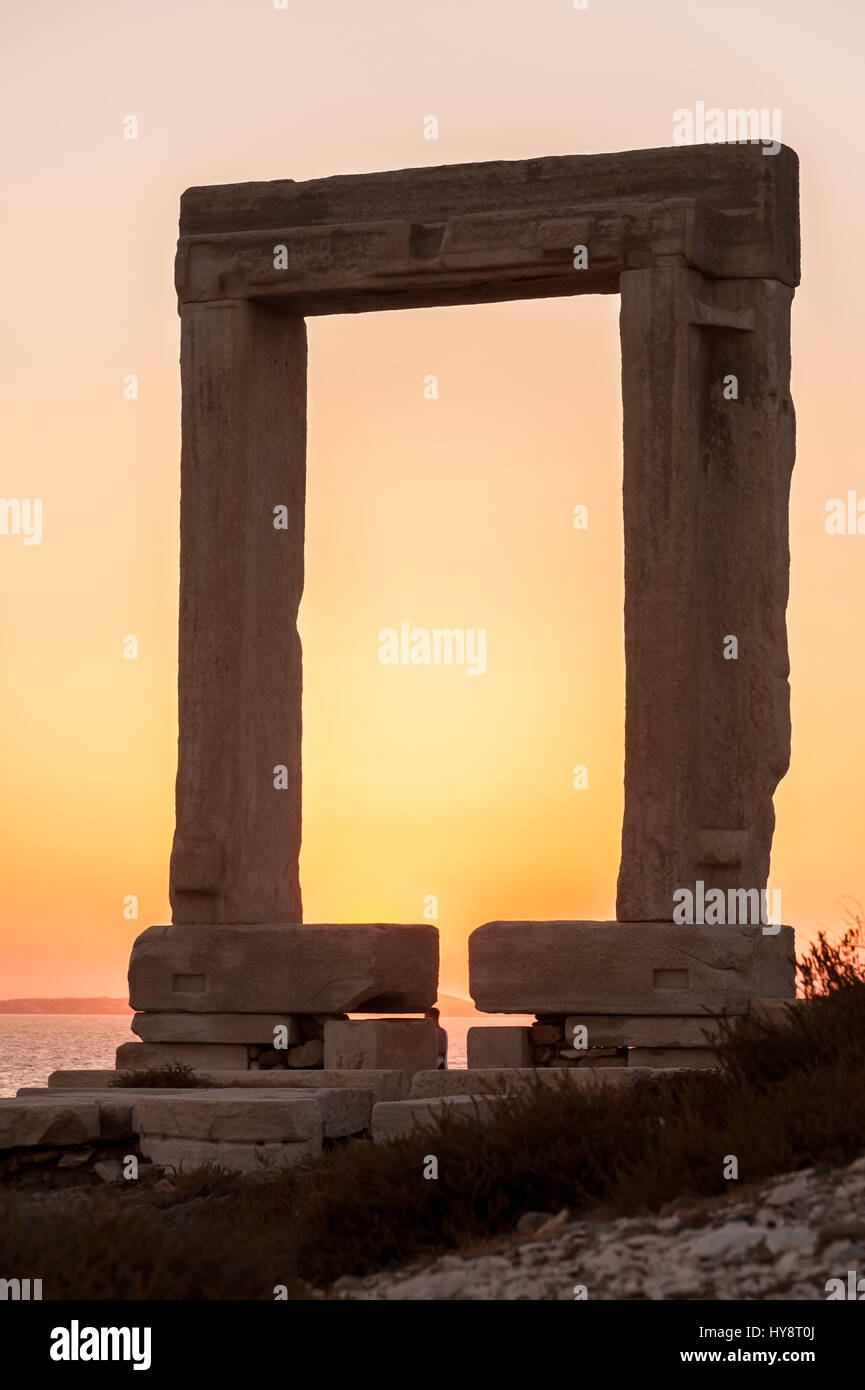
(702, 245)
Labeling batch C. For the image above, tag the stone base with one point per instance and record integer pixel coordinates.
(330, 969)
(381, 1044)
(632, 968)
(498, 1047)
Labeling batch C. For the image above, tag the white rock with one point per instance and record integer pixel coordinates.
(785, 1238)
(727, 1241)
(794, 1191)
(841, 1253)
(788, 1264)
(109, 1170)
(450, 1284)
(75, 1159)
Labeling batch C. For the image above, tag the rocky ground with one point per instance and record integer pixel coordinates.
(782, 1241)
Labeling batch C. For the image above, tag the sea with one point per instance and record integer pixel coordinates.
(34, 1045)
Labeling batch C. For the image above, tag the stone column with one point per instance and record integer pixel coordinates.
(237, 839)
(706, 487)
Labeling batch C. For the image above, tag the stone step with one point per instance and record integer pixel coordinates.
(396, 1117)
(52, 1123)
(387, 1084)
(342, 1110)
(114, 1107)
(237, 1131)
(225, 1117)
(504, 1080)
(75, 1081)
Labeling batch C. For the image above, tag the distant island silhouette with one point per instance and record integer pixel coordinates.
(98, 1005)
(451, 1005)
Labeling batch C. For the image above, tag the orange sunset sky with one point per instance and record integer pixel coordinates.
(455, 512)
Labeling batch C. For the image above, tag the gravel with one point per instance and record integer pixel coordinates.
(781, 1241)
